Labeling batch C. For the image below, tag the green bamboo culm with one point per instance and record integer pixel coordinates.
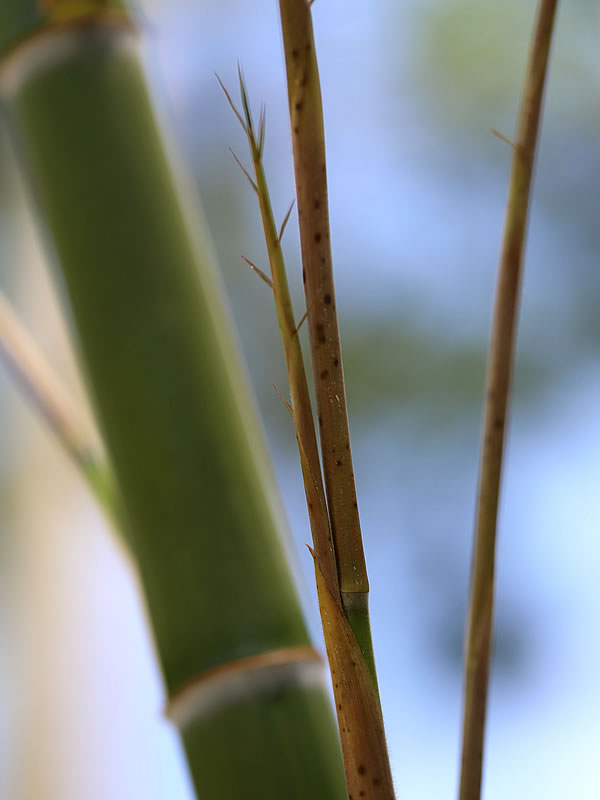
(202, 518)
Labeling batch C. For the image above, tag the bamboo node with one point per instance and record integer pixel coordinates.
(220, 687)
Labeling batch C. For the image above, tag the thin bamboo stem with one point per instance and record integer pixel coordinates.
(360, 720)
(47, 394)
(308, 140)
(502, 345)
(301, 409)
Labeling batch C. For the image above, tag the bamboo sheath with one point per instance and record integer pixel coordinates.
(173, 406)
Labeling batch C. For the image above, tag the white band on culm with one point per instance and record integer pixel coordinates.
(297, 667)
(56, 44)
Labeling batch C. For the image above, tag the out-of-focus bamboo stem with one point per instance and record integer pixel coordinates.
(502, 345)
(204, 526)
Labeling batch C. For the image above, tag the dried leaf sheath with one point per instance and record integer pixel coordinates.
(360, 721)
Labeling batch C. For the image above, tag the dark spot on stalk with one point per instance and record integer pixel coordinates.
(298, 106)
(324, 374)
(317, 237)
(327, 299)
(340, 706)
(498, 424)
(303, 276)
(322, 259)
(307, 48)
(310, 505)
(320, 420)
(354, 663)
(338, 463)
(317, 204)
(361, 793)
(296, 129)
(347, 445)
(376, 782)
(320, 333)
(362, 770)
(303, 80)
(335, 362)
(355, 504)
(295, 53)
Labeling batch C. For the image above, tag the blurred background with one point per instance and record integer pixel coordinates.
(417, 191)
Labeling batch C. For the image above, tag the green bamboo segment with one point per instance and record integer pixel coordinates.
(308, 139)
(502, 346)
(174, 408)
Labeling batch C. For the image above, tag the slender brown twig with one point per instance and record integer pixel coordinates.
(360, 721)
(502, 345)
(308, 140)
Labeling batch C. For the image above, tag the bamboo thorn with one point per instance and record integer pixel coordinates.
(261, 132)
(285, 222)
(299, 325)
(504, 138)
(232, 104)
(285, 402)
(245, 102)
(245, 171)
(259, 272)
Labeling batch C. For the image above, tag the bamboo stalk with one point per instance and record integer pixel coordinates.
(308, 140)
(360, 720)
(348, 636)
(301, 409)
(179, 423)
(502, 345)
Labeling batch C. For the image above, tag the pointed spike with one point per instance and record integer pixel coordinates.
(285, 222)
(231, 103)
(259, 272)
(504, 138)
(244, 170)
(299, 325)
(261, 131)
(285, 402)
(245, 103)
